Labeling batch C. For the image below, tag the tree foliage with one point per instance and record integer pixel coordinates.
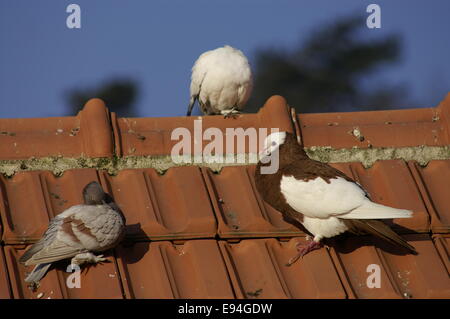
(325, 73)
(118, 94)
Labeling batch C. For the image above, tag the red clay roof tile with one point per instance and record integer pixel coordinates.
(89, 133)
(152, 136)
(170, 206)
(352, 260)
(5, 291)
(402, 276)
(164, 270)
(434, 180)
(24, 212)
(100, 281)
(214, 218)
(421, 276)
(394, 128)
(257, 270)
(239, 210)
(391, 183)
(442, 243)
(31, 199)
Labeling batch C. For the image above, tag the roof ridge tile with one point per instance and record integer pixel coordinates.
(386, 128)
(95, 120)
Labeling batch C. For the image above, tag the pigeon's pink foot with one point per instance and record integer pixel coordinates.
(303, 249)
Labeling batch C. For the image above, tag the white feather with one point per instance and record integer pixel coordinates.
(340, 198)
(321, 228)
(223, 78)
(317, 199)
(371, 210)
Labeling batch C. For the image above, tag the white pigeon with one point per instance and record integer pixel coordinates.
(321, 198)
(95, 226)
(221, 81)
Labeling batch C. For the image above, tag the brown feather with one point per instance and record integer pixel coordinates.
(379, 229)
(293, 161)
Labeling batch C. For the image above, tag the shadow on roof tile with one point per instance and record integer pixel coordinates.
(433, 181)
(442, 243)
(99, 281)
(391, 183)
(239, 209)
(5, 291)
(164, 270)
(257, 270)
(402, 275)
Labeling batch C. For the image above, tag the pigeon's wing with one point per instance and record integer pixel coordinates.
(46, 239)
(315, 198)
(100, 228)
(38, 273)
(369, 210)
(58, 242)
(57, 250)
(79, 229)
(244, 93)
(312, 169)
(331, 194)
(379, 229)
(199, 71)
(196, 87)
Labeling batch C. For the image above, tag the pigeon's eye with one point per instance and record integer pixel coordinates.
(274, 143)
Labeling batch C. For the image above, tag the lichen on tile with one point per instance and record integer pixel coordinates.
(367, 156)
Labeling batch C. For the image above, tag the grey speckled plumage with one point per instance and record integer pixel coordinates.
(95, 226)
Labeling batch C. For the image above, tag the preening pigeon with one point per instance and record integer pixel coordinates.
(95, 226)
(221, 81)
(323, 199)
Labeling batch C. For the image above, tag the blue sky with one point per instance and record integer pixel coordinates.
(156, 42)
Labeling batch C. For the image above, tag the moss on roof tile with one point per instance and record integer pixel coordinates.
(367, 156)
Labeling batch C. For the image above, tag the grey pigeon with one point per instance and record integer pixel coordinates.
(95, 226)
(221, 81)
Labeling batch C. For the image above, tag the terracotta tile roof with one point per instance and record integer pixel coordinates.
(152, 136)
(198, 232)
(394, 128)
(239, 210)
(194, 269)
(88, 133)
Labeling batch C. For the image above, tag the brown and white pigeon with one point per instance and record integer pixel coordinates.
(95, 226)
(323, 199)
(221, 81)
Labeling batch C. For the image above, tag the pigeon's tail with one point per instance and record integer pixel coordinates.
(38, 272)
(380, 229)
(371, 210)
(191, 105)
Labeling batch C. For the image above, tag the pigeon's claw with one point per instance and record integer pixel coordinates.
(304, 249)
(90, 258)
(99, 259)
(233, 113)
